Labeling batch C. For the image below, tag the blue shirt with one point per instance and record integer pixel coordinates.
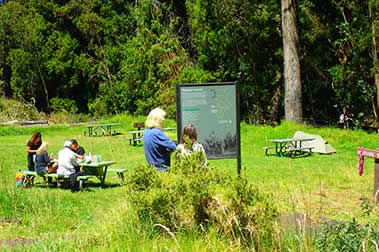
(157, 147)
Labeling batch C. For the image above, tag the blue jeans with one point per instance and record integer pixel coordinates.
(41, 170)
(162, 168)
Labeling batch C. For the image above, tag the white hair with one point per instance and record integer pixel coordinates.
(155, 118)
(67, 143)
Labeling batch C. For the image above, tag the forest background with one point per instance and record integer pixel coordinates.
(108, 57)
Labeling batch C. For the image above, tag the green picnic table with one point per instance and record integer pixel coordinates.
(293, 146)
(97, 169)
(104, 129)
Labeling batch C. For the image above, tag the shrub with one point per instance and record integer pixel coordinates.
(347, 236)
(63, 105)
(193, 198)
(16, 110)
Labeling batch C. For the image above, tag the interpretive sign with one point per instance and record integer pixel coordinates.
(213, 108)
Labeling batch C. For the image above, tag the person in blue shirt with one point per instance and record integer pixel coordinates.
(157, 145)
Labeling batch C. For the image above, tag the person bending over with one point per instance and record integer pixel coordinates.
(77, 148)
(31, 148)
(157, 145)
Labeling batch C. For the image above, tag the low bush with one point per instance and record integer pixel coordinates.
(193, 198)
(347, 236)
(16, 110)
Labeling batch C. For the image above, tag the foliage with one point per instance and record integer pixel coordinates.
(111, 57)
(347, 236)
(63, 105)
(192, 198)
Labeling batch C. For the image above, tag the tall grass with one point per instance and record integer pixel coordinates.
(320, 186)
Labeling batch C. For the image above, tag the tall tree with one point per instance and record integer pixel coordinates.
(292, 78)
(373, 22)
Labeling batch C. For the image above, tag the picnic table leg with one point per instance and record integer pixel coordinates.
(276, 149)
(282, 146)
(104, 175)
(134, 139)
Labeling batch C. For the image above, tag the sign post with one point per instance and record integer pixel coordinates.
(213, 108)
(372, 154)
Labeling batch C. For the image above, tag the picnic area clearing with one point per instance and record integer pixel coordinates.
(322, 186)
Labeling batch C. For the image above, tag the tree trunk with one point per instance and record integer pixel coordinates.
(292, 78)
(45, 88)
(375, 58)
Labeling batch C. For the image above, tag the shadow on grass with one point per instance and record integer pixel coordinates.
(88, 186)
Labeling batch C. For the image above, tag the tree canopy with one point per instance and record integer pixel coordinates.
(105, 57)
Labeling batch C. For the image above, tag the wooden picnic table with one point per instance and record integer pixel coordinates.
(105, 129)
(98, 169)
(293, 146)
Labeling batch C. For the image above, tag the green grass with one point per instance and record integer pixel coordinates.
(322, 186)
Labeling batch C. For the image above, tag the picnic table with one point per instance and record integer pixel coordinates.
(104, 129)
(137, 136)
(97, 169)
(293, 146)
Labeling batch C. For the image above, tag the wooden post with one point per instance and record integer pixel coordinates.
(373, 154)
(376, 180)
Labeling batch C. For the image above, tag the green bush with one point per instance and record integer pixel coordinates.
(63, 105)
(192, 198)
(347, 236)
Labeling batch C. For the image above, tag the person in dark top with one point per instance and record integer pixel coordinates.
(157, 145)
(43, 160)
(31, 148)
(76, 148)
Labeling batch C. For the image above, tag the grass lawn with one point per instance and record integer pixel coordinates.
(322, 186)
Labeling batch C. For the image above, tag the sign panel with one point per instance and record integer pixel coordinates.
(213, 108)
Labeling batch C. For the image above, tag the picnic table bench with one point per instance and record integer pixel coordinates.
(291, 146)
(31, 174)
(104, 129)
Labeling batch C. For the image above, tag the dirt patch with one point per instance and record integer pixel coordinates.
(10, 220)
(14, 242)
(299, 222)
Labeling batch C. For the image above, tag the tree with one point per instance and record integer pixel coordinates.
(373, 21)
(292, 78)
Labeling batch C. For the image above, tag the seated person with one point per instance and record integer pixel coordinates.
(66, 160)
(43, 160)
(77, 149)
(189, 144)
(68, 164)
(157, 145)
